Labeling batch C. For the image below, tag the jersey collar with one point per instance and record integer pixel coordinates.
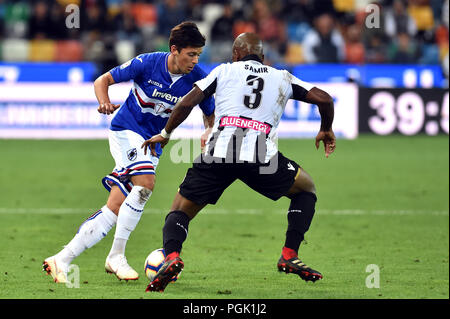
(167, 73)
(251, 57)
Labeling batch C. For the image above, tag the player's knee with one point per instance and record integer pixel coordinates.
(300, 197)
(147, 182)
(302, 186)
(142, 192)
(311, 188)
(148, 185)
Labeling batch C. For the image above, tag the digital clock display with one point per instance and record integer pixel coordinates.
(404, 111)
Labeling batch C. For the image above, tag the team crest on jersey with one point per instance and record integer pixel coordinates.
(132, 154)
(160, 108)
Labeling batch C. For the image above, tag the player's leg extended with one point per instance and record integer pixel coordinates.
(175, 232)
(129, 214)
(91, 231)
(300, 214)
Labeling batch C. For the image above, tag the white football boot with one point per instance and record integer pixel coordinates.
(118, 265)
(55, 268)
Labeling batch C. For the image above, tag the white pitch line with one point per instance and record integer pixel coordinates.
(222, 211)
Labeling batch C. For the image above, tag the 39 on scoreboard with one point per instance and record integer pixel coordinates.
(404, 111)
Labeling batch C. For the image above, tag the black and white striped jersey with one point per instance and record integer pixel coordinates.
(250, 99)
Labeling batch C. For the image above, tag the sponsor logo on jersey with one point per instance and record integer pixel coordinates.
(245, 123)
(166, 96)
(155, 83)
(159, 107)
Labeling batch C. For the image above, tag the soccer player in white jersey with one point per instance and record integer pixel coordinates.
(250, 98)
(160, 79)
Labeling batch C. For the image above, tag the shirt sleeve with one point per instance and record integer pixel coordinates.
(129, 70)
(209, 83)
(299, 88)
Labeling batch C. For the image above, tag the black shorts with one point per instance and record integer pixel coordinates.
(205, 182)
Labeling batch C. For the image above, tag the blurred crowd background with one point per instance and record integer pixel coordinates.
(294, 31)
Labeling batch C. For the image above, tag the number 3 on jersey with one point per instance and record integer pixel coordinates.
(256, 93)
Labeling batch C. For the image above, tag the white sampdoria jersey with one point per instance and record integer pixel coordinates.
(250, 99)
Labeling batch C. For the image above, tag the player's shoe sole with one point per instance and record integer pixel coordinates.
(296, 266)
(169, 270)
(50, 266)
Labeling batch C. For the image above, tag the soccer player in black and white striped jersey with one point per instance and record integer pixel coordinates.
(250, 99)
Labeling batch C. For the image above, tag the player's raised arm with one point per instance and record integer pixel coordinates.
(101, 85)
(180, 112)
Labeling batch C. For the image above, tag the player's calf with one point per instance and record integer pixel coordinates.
(175, 231)
(300, 214)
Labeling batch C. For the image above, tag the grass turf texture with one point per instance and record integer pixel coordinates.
(382, 200)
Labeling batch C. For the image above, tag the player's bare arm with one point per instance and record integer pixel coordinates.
(101, 85)
(180, 112)
(326, 109)
(208, 121)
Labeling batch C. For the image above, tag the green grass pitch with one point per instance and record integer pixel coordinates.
(381, 201)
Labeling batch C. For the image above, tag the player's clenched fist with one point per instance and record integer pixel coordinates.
(107, 108)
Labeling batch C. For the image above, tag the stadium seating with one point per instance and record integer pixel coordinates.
(297, 31)
(68, 51)
(15, 50)
(220, 51)
(42, 50)
(212, 12)
(430, 54)
(15, 16)
(16, 19)
(124, 50)
(344, 5)
(423, 16)
(243, 26)
(144, 14)
(205, 29)
(294, 54)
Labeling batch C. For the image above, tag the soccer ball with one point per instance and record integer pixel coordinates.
(154, 262)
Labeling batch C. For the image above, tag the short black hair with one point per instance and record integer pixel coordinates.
(186, 34)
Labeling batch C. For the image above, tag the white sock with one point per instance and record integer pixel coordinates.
(130, 213)
(90, 232)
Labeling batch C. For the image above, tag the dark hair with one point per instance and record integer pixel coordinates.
(186, 34)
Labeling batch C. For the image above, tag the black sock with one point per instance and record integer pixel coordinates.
(175, 231)
(300, 215)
